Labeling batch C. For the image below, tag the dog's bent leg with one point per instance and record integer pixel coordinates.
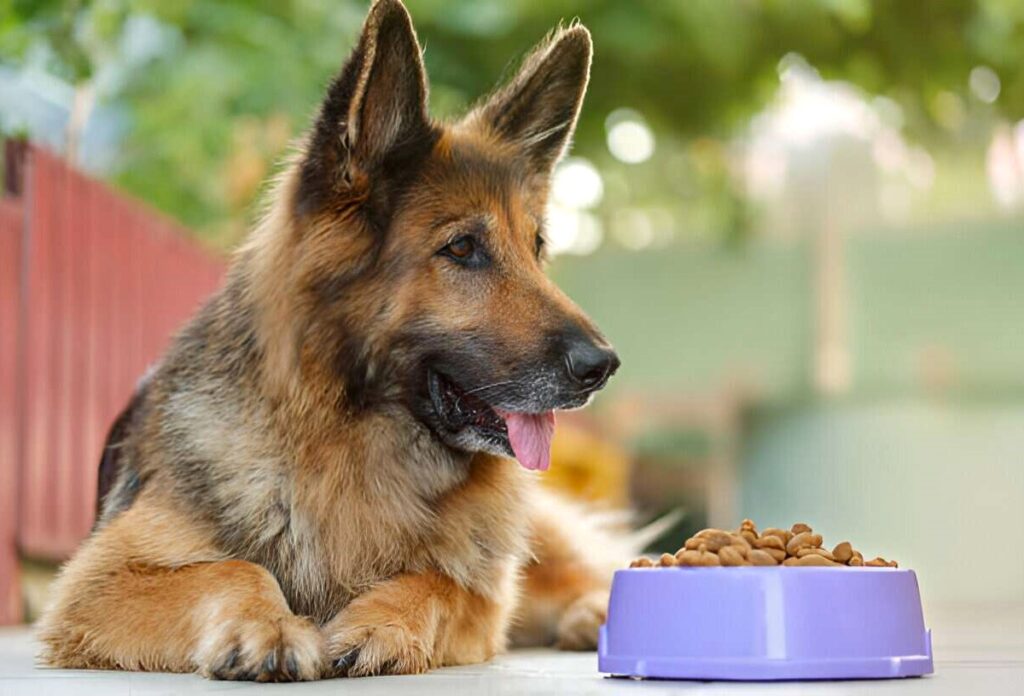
(565, 588)
(142, 594)
(416, 622)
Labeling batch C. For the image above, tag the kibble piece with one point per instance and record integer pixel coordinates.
(763, 558)
(740, 544)
(801, 540)
(843, 552)
(689, 557)
(800, 528)
(667, 560)
(642, 562)
(706, 553)
(824, 562)
(877, 562)
(699, 557)
(748, 531)
(710, 533)
(731, 556)
(770, 542)
(856, 560)
(808, 551)
(778, 554)
(811, 560)
(784, 534)
(713, 538)
(708, 537)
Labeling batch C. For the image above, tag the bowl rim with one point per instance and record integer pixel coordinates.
(768, 569)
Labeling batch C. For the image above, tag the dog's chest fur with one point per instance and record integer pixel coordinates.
(332, 513)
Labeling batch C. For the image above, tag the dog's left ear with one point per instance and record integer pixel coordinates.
(374, 115)
(537, 110)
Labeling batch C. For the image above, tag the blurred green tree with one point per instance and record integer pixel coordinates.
(215, 88)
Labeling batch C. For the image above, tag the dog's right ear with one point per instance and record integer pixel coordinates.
(375, 114)
(537, 110)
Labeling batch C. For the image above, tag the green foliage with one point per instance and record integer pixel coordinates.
(213, 107)
(25, 23)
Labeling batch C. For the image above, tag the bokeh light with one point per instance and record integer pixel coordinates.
(571, 231)
(985, 83)
(630, 139)
(577, 184)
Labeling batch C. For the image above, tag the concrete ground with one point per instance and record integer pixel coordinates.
(978, 650)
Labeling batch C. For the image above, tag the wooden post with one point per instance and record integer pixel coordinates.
(831, 347)
(832, 368)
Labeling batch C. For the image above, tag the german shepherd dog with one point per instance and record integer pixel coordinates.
(320, 477)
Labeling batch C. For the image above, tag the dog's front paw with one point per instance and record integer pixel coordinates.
(261, 648)
(579, 625)
(364, 640)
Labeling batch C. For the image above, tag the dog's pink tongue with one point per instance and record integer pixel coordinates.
(530, 435)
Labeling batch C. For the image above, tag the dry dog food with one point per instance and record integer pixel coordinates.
(799, 546)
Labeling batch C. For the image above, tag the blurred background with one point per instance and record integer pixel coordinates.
(800, 223)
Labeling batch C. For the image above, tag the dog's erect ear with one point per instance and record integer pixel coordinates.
(537, 110)
(375, 112)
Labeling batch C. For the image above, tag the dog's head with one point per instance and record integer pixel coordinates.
(420, 246)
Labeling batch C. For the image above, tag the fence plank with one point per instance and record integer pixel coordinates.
(107, 282)
(10, 297)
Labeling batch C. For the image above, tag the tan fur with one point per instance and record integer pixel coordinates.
(278, 511)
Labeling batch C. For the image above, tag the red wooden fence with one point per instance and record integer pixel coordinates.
(93, 285)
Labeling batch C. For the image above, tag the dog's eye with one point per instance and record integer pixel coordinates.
(461, 248)
(464, 250)
(538, 245)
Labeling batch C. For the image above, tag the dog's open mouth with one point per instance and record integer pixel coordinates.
(526, 436)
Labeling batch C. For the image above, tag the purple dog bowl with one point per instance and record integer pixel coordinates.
(755, 623)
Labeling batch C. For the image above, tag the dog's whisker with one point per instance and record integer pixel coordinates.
(489, 386)
(476, 390)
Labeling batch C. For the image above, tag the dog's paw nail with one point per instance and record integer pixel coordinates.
(269, 666)
(227, 665)
(291, 666)
(344, 663)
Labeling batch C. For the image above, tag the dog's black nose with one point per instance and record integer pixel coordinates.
(590, 364)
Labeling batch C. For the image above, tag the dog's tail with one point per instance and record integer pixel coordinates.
(621, 523)
(605, 539)
(639, 539)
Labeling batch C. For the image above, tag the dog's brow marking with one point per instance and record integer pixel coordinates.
(445, 221)
(477, 225)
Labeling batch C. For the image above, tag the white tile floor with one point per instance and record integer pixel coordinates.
(979, 651)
